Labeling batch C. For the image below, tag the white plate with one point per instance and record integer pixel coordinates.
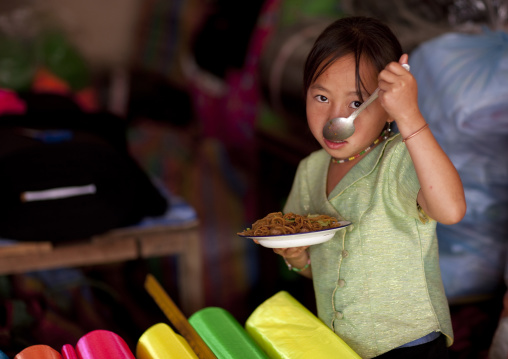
(298, 239)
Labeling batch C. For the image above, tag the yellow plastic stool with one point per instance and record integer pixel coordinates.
(161, 342)
(284, 328)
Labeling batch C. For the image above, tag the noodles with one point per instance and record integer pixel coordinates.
(276, 223)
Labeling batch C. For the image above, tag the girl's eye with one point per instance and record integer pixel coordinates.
(322, 98)
(355, 104)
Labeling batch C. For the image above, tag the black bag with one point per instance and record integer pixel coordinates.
(67, 175)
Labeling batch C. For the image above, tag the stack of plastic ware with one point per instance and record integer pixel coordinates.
(284, 328)
(225, 335)
(39, 351)
(68, 352)
(103, 344)
(161, 342)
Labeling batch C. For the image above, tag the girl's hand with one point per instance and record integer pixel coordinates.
(399, 93)
(292, 253)
(297, 257)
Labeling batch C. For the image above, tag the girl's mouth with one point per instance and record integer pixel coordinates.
(334, 145)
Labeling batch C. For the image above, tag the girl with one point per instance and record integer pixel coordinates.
(378, 283)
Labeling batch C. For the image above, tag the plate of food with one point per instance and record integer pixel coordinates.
(278, 230)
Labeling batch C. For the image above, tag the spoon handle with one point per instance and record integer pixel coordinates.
(365, 104)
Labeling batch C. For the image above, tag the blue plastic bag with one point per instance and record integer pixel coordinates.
(463, 94)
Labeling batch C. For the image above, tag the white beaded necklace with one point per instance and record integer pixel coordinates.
(384, 135)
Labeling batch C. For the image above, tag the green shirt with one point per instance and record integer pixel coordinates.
(378, 283)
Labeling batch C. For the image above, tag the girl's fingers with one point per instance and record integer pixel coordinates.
(295, 252)
(404, 59)
(392, 73)
(290, 252)
(279, 251)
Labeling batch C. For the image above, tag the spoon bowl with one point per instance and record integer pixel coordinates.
(340, 128)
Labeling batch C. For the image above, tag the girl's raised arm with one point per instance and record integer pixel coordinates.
(442, 194)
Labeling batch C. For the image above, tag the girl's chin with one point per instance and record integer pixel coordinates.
(335, 145)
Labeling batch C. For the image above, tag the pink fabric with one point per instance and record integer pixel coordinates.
(10, 103)
(231, 116)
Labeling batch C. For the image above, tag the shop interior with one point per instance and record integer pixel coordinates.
(191, 112)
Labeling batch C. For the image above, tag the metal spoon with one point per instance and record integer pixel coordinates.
(340, 128)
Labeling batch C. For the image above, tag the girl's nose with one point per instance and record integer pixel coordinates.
(340, 112)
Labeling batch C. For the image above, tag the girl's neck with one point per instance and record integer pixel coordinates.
(336, 174)
(339, 168)
(384, 135)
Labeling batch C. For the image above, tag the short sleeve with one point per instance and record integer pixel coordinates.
(404, 184)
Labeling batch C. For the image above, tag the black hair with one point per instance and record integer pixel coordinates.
(366, 38)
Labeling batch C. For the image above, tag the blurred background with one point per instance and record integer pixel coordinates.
(208, 96)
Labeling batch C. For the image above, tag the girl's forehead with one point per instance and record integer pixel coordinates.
(346, 67)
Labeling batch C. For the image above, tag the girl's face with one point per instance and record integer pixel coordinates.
(333, 94)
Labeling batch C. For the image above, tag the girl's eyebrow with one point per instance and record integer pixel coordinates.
(317, 86)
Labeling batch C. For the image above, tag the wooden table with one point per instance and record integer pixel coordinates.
(116, 246)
